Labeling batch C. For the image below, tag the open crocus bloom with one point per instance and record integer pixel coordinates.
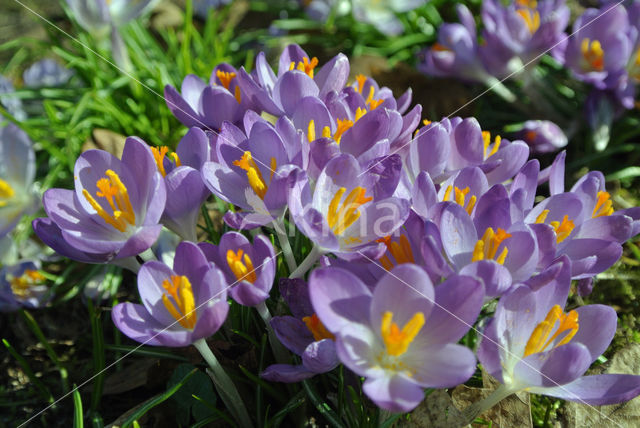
(533, 344)
(402, 336)
(180, 305)
(17, 171)
(22, 285)
(113, 212)
(250, 268)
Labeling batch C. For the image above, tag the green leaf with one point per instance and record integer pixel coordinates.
(198, 385)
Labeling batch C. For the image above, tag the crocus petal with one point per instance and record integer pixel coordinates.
(597, 390)
(320, 356)
(136, 323)
(561, 365)
(286, 373)
(395, 394)
(441, 366)
(597, 326)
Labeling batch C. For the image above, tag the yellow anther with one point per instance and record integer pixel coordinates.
(305, 65)
(532, 4)
(311, 131)
(326, 132)
(426, 122)
(116, 194)
(374, 104)
(359, 113)
(460, 198)
(603, 205)
(486, 138)
(6, 192)
(562, 228)
(316, 328)
(395, 340)
(400, 250)
(542, 217)
(593, 54)
(341, 216)
(343, 126)
(540, 340)
(487, 247)
(531, 18)
(460, 195)
(237, 95)
(241, 265)
(254, 175)
(158, 155)
(179, 300)
(361, 79)
(225, 77)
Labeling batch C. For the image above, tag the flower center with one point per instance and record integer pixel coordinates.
(562, 228)
(159, 153)
(395, 340)
(114, 191)
(603, 205)
(341, 216)
(486, 139)
(635, 67)
(487, 247)
(540, 340)
(241, 265)
(531, 18)
(305, 65)
(460, 198)
(400, 250)
(6, 192)
(20, 286)
(225, 78)
(316, 328)
(343, 126)
(254, 175)
(179, 300)
(593, 54)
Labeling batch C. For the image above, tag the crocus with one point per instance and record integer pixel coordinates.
(22, 285)
(542, 136)
(113, 212)
(533, 344)
(17, 172)
(520, 32)
(9, 101)
(349, 207)
(46, 72)
(179, 305)
(402, 336)
(251, 268)
(302, 333)
(208, 105)
(599, 50)
(185, 189)
(254, 171)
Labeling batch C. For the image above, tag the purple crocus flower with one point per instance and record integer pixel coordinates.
(251, 268)
(296, 79)
(584, 224)
(520, 32)
(402, 336)
(598, 53)
(456, 53)
(542, 136)
(46, 72)
(490, 246)
(209, 105)
(348, 208)
(255, 173)
(185, 189)
(113, 212)
(22, 286)
(304, 334)
(17, 172)
(180, 305)
(532, 344)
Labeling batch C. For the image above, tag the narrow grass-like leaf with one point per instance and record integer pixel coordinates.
(44, 391)
(78, 415)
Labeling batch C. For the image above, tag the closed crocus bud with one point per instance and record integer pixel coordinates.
(542, 136)
(17, 171)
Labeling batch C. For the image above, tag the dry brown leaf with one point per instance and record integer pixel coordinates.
(103, 139)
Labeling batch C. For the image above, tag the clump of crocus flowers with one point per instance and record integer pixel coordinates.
(412, 232)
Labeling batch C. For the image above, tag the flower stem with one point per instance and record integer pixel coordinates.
(307, 263)
(279, 352)
(278, 225)
(224, 385)
(147, 255)
(475, 409)
(496, 86)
